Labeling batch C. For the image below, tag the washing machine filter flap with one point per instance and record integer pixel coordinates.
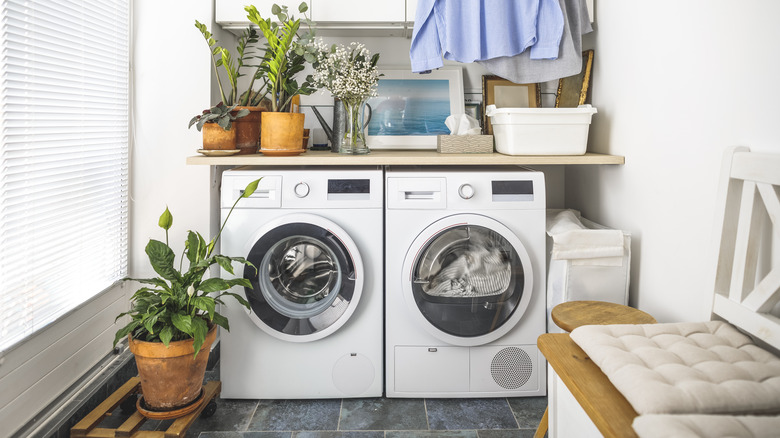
(306, 282)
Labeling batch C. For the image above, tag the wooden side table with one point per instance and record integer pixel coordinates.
(572, 314)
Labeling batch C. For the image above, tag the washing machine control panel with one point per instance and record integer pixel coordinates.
(466, 191)
(301, 189)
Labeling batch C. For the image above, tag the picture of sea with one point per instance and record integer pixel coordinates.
(410, 107)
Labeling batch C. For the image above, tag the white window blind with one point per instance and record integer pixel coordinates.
(63, 158)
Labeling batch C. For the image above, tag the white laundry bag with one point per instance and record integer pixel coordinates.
(587, 261)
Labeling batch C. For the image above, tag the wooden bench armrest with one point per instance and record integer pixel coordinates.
(607, 408)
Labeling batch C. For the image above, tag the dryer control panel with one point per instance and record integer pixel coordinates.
(468, 190)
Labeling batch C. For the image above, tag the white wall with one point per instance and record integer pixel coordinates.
(172, 74)
(675, 84)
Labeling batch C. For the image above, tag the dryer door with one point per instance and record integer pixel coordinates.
(468, 279)
(309, 277)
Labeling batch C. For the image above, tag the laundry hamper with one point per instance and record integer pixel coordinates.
(587, 261)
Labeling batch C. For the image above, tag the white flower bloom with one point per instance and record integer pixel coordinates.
(190, 290)
(348, 72)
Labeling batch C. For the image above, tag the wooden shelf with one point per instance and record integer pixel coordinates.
(383, 157)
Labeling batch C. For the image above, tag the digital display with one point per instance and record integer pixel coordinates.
(513, 187)
(349, 186)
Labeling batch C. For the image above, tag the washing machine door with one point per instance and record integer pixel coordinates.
(308, 280)
(467, 279)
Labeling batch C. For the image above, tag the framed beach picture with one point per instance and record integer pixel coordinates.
(410, 108)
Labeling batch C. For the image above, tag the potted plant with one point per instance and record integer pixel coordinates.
(248, 128)
(216, 123)
(285, 56)
(173, 317)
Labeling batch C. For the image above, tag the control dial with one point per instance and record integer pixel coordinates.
(301, 190)
(466, 191)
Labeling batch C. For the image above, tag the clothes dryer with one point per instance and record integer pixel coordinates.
(465, 283)
(314, 329)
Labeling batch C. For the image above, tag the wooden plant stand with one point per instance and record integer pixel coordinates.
(87, 427)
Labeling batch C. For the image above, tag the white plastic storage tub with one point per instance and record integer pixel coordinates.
(541, 131)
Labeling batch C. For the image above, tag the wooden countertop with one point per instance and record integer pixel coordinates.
(379, 157)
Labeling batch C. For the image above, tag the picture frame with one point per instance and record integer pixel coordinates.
(504, 93)
(410, 108)
(573, 90)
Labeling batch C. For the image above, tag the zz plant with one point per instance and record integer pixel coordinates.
(286, 54)
(179, 305)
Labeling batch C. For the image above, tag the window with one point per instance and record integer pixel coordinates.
(64, 111)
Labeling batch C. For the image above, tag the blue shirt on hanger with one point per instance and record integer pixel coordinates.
(475, 30)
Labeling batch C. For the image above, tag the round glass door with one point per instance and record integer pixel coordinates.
(308, 279)
(469, 279)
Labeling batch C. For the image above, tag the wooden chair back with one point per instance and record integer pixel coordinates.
(745, 290)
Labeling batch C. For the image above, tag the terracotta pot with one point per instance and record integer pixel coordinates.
(281, 131)
(214, 137)
(248, 129)
(170, 376)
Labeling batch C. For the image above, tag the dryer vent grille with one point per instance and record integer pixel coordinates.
(511, 368)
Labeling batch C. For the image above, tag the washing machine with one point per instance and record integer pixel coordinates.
(465, 283)
(314, 330)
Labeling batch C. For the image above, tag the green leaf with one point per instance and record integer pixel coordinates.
(182, 322)
(200, 329)
(275, 9)
(205, 304)
(250, 188)
(214, 285)
(149, 322)
(161, 258)
(237, 297)
(192, 247)
(240, 282)
(124, 331)
(159, 282)
(166, 334)
(225, 263)
(303, 7)
(221, 321)
(166, 219)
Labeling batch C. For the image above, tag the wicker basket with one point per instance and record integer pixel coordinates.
(465, 144)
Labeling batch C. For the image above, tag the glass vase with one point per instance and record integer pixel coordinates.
(354, 141)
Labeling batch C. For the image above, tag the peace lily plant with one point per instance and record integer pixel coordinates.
(180, 305)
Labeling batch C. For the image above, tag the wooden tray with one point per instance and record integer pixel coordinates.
(87, 427)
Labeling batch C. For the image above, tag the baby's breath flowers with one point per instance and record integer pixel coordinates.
(350, 74)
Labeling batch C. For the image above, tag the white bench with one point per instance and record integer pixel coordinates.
(687, 379)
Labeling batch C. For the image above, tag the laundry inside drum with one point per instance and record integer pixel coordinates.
(466, 262)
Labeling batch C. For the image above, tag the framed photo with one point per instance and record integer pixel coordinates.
(573, 90)
(504, 93)
(410, 108)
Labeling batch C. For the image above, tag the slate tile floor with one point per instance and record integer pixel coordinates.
(363, 418)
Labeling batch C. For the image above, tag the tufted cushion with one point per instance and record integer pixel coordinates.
(710, 426)
(685, 368)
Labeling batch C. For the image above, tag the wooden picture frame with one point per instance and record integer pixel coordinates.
(504, 93)
(409, 109)
(573, 90)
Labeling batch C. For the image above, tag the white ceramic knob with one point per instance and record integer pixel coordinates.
(301, 189)
(466, 191)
